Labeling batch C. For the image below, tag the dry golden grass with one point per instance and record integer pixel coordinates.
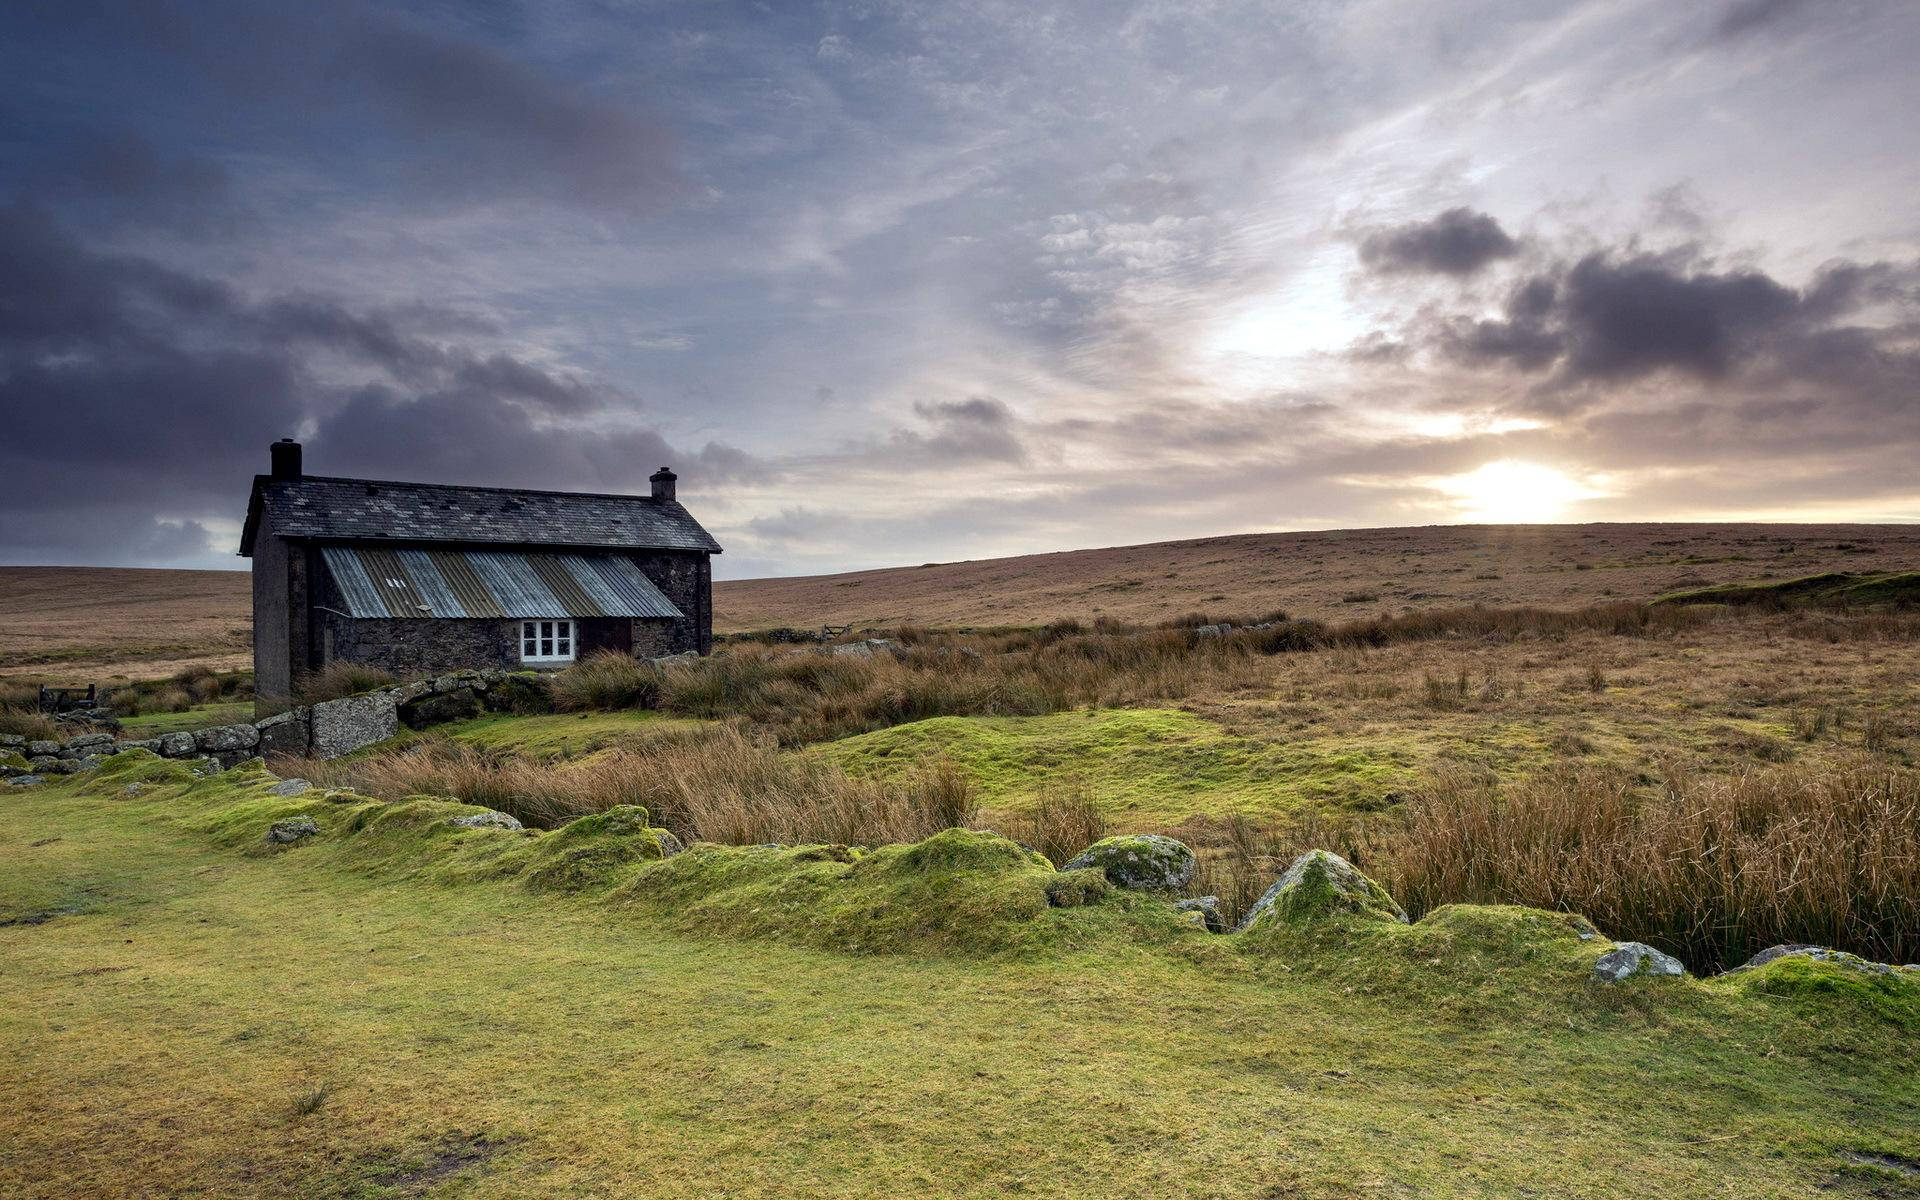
(717, 784)
(76, 624)
(1330, 575)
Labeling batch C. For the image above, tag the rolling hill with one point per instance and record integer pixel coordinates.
(88, 622)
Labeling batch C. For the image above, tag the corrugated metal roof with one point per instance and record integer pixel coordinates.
(329, 509)
(379, 582)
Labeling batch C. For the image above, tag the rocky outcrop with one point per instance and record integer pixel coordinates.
(489, 819)
(1321, 884)
(1629, 959)
(1148, 862)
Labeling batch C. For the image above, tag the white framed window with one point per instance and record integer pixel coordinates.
(546, 641)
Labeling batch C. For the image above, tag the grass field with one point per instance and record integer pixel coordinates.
(324, 1023)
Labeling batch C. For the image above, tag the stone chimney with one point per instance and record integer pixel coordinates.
(662, 481)
(286, 459)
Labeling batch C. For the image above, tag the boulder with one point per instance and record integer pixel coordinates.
(1634, 958)
(345, 725)
(1143, 862)
(1211, 631)
(25, 780)
(41, 747)
(42, 762)
(1207, 909)
(1852, 962)
(291, 830)
(486, 820)
(223, 739)
(86, 740)
(290, 787)
(12, 741)
(286, 733)
(1321, 884)
(175, 745)
(1076, 888)
(670, 845)
(151, 745)
(457, 704)
(674, 660)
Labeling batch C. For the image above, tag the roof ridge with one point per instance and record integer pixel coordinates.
(469, 487)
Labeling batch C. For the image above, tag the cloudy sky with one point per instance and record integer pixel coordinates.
(892, 281)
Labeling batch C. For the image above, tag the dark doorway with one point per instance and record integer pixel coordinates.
(605, 633)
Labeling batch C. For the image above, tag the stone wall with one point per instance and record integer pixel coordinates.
(409, 648)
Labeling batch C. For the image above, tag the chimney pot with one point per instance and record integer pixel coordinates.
(662, 481)
(286, 458)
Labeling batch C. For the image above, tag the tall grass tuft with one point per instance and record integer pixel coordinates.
(719, 785)
(1064, 821)
(29, 724)
(1710, 869)
(342, 679)
(606, 679)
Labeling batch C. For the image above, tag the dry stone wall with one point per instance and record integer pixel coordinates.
(326, 730)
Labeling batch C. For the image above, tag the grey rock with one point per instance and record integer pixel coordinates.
(133, 789)
(89, 739)
(291, 787)
(224, 738)
(42, 747)
(8, 770)
(42, 762)
(12, 741)
(1143, 862)
(175, 745)
(445, 683)
(286, 733)
(1208, 910)
(151, 745)
(674, 660)
(1853, 962)
(489, 819)
(291, 830)
(1212, 631)
(1634, 958)
(456, 704)
(61, 766)
(25, 780)
(205, 765)
(1320, 883)
(408, 693)
(345, 725)
(669, 844)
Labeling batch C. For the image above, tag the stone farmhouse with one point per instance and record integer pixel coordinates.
(421, 578)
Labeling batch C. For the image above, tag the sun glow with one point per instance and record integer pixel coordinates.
(1507, 492)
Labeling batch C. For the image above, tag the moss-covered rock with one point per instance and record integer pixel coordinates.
(1148, 862)
(1816, 986)
(14, 759)
(1321, 884)
(1630, 959)
(1077, 888)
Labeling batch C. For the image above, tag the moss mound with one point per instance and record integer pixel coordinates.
(1815, 986)
(1319, 885)
(1147, 862)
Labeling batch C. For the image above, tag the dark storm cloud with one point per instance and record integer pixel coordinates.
(138, 398)
(1457, 242)
(1617, 318)
(431, 105)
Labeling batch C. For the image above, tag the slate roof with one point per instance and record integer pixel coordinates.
(328, 509)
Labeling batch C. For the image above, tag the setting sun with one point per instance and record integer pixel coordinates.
(1509, 492)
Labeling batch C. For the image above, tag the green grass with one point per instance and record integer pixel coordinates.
(1147, 768)
(336, 1020)
(200, 716)
(563, 735)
